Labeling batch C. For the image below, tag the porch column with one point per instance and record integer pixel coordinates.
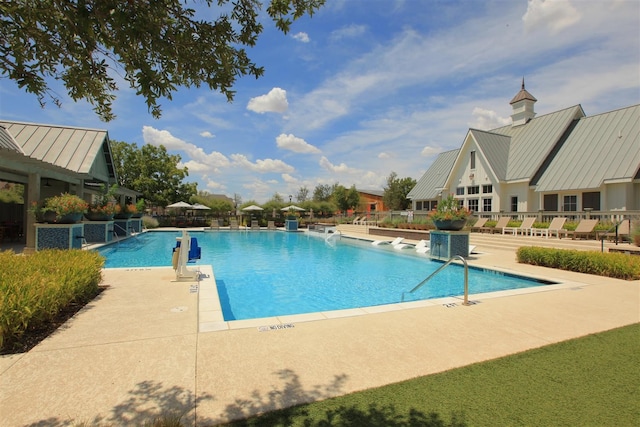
(32, 195)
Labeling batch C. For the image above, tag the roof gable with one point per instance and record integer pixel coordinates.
(77, 150)
(435, 177)
(495, 149)
(601, 148)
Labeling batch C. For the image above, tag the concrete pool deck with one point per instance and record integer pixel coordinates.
(136, 350)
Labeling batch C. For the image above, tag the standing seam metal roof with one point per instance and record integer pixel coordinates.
(74, 149)
(600, 148)
(532, 143)
(435, 177)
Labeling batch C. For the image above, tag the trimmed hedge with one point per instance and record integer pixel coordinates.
(35, 288)
(616, 265)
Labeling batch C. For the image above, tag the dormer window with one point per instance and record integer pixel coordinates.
(473, 160)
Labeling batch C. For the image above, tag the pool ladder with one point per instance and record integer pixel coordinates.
(466, 278)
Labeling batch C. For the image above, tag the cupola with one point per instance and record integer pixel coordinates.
(522, 105)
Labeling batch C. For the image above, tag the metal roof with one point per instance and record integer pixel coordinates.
(532, 143)
(435, 177)
(495, 148)
(74, 149)
(7, 142)
(601, 148)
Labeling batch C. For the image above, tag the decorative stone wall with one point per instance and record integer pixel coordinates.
(98, 231)
(59, 236)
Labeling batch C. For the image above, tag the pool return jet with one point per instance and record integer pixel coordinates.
(186, 250)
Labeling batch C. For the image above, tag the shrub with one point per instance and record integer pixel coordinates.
(150, 222)
(617, 265)
(35, 288)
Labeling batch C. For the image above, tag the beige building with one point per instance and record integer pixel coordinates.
(563, 162)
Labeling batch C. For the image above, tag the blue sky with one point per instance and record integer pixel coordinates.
(370, 87)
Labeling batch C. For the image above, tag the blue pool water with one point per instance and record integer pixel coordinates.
(263, 274)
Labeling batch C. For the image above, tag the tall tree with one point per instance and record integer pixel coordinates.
(322, 192)
(395, 193)
(154, 46)
(303, 194)
(153, 172)
(346, 199)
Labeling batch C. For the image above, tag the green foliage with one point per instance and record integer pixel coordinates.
(617, 265)
(345, 199)
(65, 204)
(449, 209)
(33, 289)
(322, 193)
(155, 46)
(12, 193)
(395, 193)
(302, 195)
(149, 222)
(153, 172)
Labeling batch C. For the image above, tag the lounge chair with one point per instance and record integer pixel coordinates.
(255, 225)
(233, 224)
(526, 225)
(215, 225)
(623, 232)
(393, 242)
(271, 225)
(355, 220)
(502, 222)
(420, 244)
(479, 225)
(585, 228)
(554, 228)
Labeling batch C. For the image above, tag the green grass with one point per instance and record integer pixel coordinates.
(590, 381)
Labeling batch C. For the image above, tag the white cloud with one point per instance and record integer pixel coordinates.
(262, 166)
(301, 37)
(341, 168)
(199, 160)
(384, 155)
(430, 151)
(556, 15)
(293, 143)
(289, 179)
(349, 31)
(273, 102)
(487, 119)
(207, 134)
(157, 137)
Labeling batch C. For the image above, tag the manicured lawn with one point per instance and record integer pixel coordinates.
(590, 381)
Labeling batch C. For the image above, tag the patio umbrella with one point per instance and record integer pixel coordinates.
(252, 208)
(201, 207)
(180, 205)
(292, 208)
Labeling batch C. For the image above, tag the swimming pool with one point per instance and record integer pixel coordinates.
(265, 274)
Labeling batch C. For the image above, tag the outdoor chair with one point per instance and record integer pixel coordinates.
(255, 225)
(233, 224)
(271, 225)
(393, 242)
(502, 223)
(215, 225)
(623, 232)
(584, 229)
(554, 228)
(526, 225)
(479, 225)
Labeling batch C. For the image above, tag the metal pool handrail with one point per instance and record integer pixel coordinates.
(466, 278)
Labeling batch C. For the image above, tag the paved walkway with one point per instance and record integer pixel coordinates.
(136, 351)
